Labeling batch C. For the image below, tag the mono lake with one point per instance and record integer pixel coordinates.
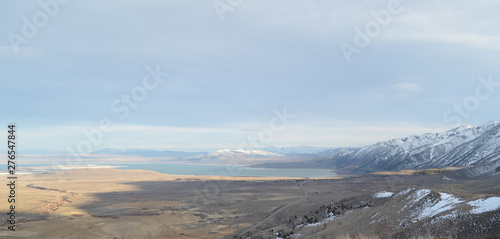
(191, 169)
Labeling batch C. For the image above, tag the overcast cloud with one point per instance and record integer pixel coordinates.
(419, 73)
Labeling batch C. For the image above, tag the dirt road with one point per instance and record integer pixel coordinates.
(306, 195)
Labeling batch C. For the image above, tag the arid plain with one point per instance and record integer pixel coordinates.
(117, 203)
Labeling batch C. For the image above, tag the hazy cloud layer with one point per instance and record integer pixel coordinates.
(229, 75)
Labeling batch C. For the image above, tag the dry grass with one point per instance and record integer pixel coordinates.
(420, 171)
(107, 203)
(360, 236)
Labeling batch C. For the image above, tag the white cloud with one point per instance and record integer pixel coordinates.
(348, 133)
(481, 41)
(23, 51)
(451, 25)
(406, 89)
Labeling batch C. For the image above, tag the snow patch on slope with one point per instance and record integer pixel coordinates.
(485, 205)
(382, 194)
(420, 204)
(445, 203)
(330, 217)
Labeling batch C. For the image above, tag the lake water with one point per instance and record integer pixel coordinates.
(198, 169)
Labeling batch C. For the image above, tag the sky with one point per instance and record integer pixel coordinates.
(204, 75)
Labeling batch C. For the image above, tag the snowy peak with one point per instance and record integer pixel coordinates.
(298, 150)
(231, 155)
(462, 128)
(243, 152)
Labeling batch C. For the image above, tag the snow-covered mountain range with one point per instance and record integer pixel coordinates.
(242, 152)
(462, 146)
(299, 150)
(237, 155)
(478, 147)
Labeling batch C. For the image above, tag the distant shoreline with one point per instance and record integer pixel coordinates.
(239, 171)
(174, 177)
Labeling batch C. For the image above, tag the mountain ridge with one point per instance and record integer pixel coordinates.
(461, 146)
